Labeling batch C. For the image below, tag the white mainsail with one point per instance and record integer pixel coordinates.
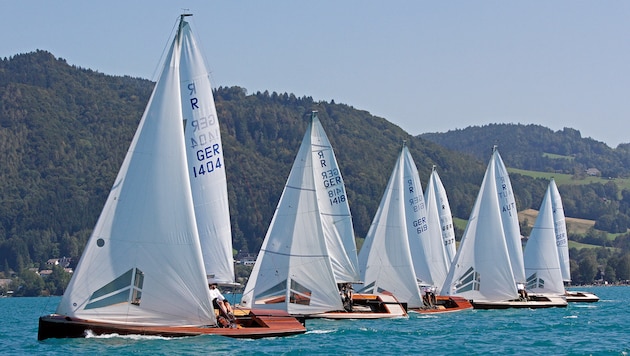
(143, 264)
(385, 258)
(562, 241)
(294, 264)
(542, 266)
(509, 216)
(435, 190)
(425, 238)
(206, 164)
(333, 207)
(482, 270)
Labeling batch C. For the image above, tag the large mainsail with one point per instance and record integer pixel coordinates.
(509, 216)
(482, 270)
(144, 252)
(425, 238)
(435, 191)
(294, 264)
(333, 207)
(542, 266)
(205, 161)
(385, 258)
(562, 241)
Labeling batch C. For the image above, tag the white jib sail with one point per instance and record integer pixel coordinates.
(385, 258)
(509, 216)
(293, 265)
(562, 241)
(205, 161)
(142, 264)
(542, 266)
(444, 208)
(482, 269)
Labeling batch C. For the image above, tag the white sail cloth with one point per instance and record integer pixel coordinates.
(143, 263)
(296, 268)
(542, 266)
(482, 270)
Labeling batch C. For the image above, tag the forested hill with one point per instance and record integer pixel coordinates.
(64, 131)
(537, 148)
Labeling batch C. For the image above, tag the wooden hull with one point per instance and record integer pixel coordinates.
(256, 324)
(446, 304)
(369, 306)
(581, 297)
(534, 302)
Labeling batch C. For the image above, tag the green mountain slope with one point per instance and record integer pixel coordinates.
(65, 130)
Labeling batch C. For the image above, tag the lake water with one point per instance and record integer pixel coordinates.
(601, 328)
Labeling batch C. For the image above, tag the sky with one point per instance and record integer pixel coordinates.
(426, 66)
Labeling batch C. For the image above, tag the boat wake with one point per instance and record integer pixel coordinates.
(321, 331)
(90, 335)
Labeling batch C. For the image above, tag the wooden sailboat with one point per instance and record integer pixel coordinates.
(482, 270)
(386, 260)
(309, 250)
(562, 244)
(542, 266)
(142, 270)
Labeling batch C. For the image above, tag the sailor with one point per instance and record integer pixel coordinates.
(522, 293)
(219, 301)
(346, 291)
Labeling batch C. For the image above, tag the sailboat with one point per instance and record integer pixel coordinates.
(142, 270)
(436, 194)
(385, 260)
(542, 266)
(307, 255)
(562, 244)
(482, 270)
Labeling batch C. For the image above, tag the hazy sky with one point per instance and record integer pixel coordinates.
(427, 66)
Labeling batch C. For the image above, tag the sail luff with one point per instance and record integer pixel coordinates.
(144, 251)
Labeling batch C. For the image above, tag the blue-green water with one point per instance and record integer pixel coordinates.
(601, 328)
